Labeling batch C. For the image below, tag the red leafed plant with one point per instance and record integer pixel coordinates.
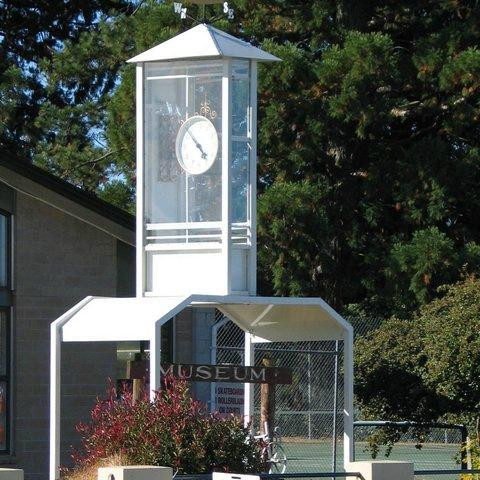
(173, 430)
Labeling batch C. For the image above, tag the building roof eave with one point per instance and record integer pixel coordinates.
(37, 182)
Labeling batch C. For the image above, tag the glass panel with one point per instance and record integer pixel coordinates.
(126, 352)
(240, 104)
(240, 181)
(171, 194)
(205, 190)
(3, 415)
(165, 109)
(184, 68)
(3, 251)
(240, 67)
(4, 374)
(3, 343)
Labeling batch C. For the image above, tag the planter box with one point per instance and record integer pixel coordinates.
(139, 472)
(11, 474)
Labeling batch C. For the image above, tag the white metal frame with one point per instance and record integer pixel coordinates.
(203, 42)
(226, 173)
(252, 258)
(223, 236)
(223, 303)
(140, 199)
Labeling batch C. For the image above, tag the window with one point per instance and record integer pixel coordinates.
(4, 378)
(4, 250)
(5, 304)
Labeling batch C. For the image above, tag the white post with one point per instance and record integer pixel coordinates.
(55, 383)
(348, 397)
(140, 281)
(155, 359)
(55, 354)
(226, 189)
(248, 387)
(252, 255)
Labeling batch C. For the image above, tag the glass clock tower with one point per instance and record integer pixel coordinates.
(196, 165)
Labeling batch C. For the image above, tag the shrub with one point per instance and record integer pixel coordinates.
(473, 448)
(173, 430)
(90, 471)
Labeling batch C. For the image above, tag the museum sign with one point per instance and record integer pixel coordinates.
(228, 373)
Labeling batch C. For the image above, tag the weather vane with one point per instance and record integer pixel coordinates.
(182, 9)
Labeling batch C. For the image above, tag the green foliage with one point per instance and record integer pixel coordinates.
(473, 449)
(431, 259)
(376, 106)
(388, 376)
(31, 33)
(427, 368)
(363, 68)
(294, 208)
(449, 328)
(371, 120)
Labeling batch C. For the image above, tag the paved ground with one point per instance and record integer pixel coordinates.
(317, 457)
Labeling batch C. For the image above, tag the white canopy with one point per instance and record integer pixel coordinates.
(268, 319)
(264, 319)
(203, 41)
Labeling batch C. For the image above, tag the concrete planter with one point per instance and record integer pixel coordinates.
(11, 474)
(138, 472)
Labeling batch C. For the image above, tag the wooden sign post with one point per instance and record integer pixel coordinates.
(267, 403)
(137, 372)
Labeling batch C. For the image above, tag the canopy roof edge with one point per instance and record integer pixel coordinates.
(268, 319)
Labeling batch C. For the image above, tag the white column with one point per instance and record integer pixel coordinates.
(55, 383)
(155, 359)
(140, 282)
(226, 187)
(252, 254)
(348, 397)
(55, 355)
(248, 387)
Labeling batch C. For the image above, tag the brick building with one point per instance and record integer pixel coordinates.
(57, 245)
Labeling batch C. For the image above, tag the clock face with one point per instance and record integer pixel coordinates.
(196, 145)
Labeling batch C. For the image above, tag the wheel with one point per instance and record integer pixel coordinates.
(277, 462)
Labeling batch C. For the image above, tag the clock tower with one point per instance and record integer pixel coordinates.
(196, 165)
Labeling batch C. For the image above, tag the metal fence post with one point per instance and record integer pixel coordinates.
(335, 408)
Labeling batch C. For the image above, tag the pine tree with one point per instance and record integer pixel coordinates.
(368, 142)
(31, 32)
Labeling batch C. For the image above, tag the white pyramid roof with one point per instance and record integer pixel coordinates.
(203, 41)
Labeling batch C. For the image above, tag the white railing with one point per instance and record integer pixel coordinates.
(241, 235)
(194, 236)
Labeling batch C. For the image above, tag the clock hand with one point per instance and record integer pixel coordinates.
(204, 155)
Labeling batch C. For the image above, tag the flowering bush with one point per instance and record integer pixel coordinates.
(173, 430)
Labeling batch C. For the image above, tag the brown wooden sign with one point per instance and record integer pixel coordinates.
(228, 373)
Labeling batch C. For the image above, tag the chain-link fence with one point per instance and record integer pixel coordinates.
(309, 411)
(429, 447)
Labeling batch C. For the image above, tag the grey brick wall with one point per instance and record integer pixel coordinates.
(58, 261)
(184, 336)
